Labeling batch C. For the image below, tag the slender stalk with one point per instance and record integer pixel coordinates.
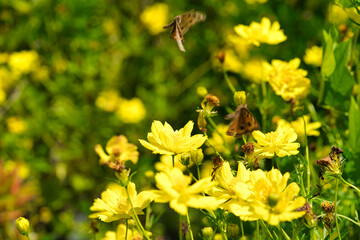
(257, 233)
(242, 228)
(212, 123)
(351, 220)
(136, 216)
(173, 161)
(198, 171)
(267, 230)
(180, 228)
(336, 219)
(283, 232)
(147, 218)
(228, 81)
(189, 226)
(208, 142)
(321, 90)
(308, 172)
(27, 236)
(344, 181)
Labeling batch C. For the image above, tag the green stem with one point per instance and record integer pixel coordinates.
(351, 220)
(180, 228)
(267, 230)
(283, 232)
(229, 82)
(27, 236)
(198, 171)
(189, 226)
(257, 233)
(321, 90)
(336, 219)
(208, 142)
(136, 216)
(242, 228)
(344, 181)
(212, 123)
(308, 172)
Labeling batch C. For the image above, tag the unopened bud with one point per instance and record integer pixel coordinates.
(239, 98)
(197, 156)
(123, 176)
(22, 225)
(185, 158)
(201, 91)
(233, 230)
(273, 199)
(207, 232)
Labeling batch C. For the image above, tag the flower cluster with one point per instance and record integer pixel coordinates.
(254, 195)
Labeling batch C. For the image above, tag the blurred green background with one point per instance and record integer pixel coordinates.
(75, 73)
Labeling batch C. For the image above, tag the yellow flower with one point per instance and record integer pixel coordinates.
(2, 96)
(274, 200)
(118, 148)
(298, 126)
(115, 205)
(313, 56)
(217, 140)
(232, 62)
(240, 45)
(120, 234)
(4, 57)
(16, 125)
(254, 70)
(262, 32)
(155, 17)
(164, 140)
(353, 14)
(281, 142)
(174, 187)
(287, 80)
(24, 62)
(131, 111)
(108, 100)
(255, 1)
(336, 14)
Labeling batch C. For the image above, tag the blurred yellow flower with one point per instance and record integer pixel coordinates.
(174, 187)
(274, 201)
(131, 111)
(108, 100)
(41, 74)
(281, 142)
(2, 96)
(298, 126)
(24, 62)
(155, 17)
(262, 32)
(313, 56)
(119, 149)
(336, 14)
(120, 234)
(255, 1)
(164, 140)
(16, 125)
(287, 80)
(4, 57)
(114, 204)
(217, 140)
(7, 78)
(254, 70)
(240, 45)
(232, 62)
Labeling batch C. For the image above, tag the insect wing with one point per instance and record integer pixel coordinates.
(188, 19)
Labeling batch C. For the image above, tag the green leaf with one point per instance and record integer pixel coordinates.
(354, 126)
(328, 63)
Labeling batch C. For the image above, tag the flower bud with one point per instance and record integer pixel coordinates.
(239, 98)
(22, 225)
(232, 230)
(123, 176)
(197, 156)
(207, 232)
(273, 199)
(185, 158)
(201, 91)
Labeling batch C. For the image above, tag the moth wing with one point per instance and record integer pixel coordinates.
(233, 126)
(188, 19)
(247, 123)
